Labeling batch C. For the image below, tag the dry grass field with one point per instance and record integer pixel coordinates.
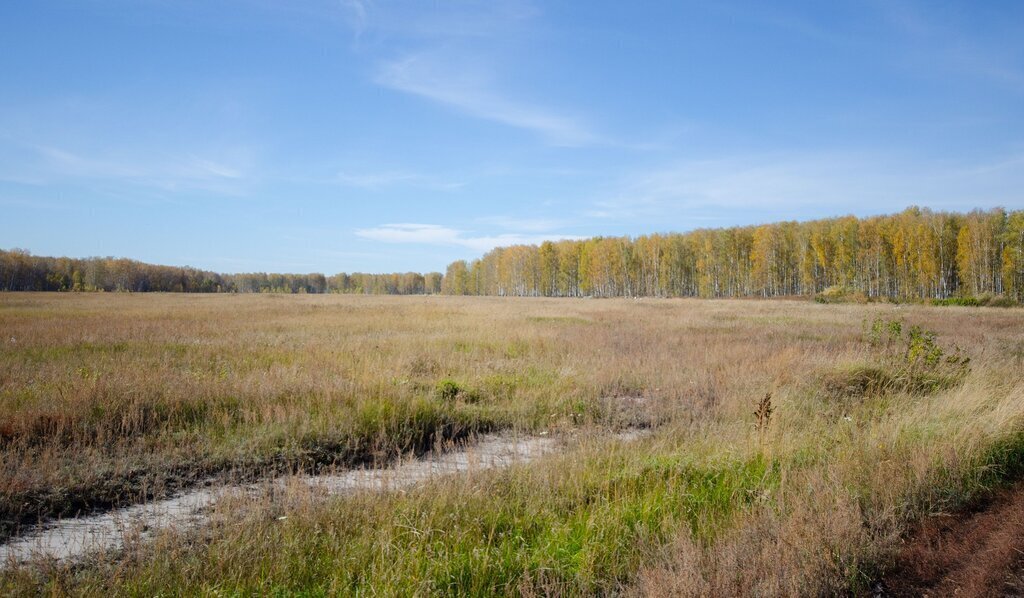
(793, 445)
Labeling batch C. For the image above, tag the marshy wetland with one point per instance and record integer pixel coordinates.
(789, 447)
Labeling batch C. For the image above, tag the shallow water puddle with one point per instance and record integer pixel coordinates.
(71, 539)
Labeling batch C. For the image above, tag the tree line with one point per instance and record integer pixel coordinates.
(917, 253)
(22, 271)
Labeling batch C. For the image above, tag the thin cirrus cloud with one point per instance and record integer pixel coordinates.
(436, 67)
(355, 11)
(435, 234)
(436, 79)
(946, 47)
(531, 225)
(716, 184)
(804, 184)
(184, 171)
(377, 180)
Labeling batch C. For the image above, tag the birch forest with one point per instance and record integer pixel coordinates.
(915, 254)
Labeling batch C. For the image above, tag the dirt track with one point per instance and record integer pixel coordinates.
(979, 553)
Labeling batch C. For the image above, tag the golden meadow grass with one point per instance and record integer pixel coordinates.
(109, 398)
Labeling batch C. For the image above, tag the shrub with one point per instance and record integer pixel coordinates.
(911, 361)
(984, 300)
(450, 390)
(1003, 301)
(839, 294)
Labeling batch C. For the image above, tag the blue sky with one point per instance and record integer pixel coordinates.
(359, 135)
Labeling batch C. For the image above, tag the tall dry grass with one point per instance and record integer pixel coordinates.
(106, 397)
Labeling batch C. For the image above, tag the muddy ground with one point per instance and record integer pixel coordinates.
(977, 552)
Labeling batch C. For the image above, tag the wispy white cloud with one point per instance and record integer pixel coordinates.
(356, 16)
(1000, 165)
(412, 233)
(991, 56)
(802, 23)
(530, 225)
(435, 234)
(431, 22)
(65, 163)
(33, 204)
(809, 183)
(450, 53)
(724, 183)
(187, 167)
(46, 164)
(374, 180)
(435, 78)
(204, 167)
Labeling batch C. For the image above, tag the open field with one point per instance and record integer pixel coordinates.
(865, 425)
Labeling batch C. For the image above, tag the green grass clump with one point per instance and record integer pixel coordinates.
(521, 529)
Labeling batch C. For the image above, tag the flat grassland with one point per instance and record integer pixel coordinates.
(793, 444)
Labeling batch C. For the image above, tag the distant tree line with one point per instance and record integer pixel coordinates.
(917, 253)
(409, 283)
(22, 271)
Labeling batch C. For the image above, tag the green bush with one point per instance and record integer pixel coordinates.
(449, 390)
(911, 360)
(984, 300)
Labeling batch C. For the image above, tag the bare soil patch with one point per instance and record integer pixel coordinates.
(76, 537)
(974, 553)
